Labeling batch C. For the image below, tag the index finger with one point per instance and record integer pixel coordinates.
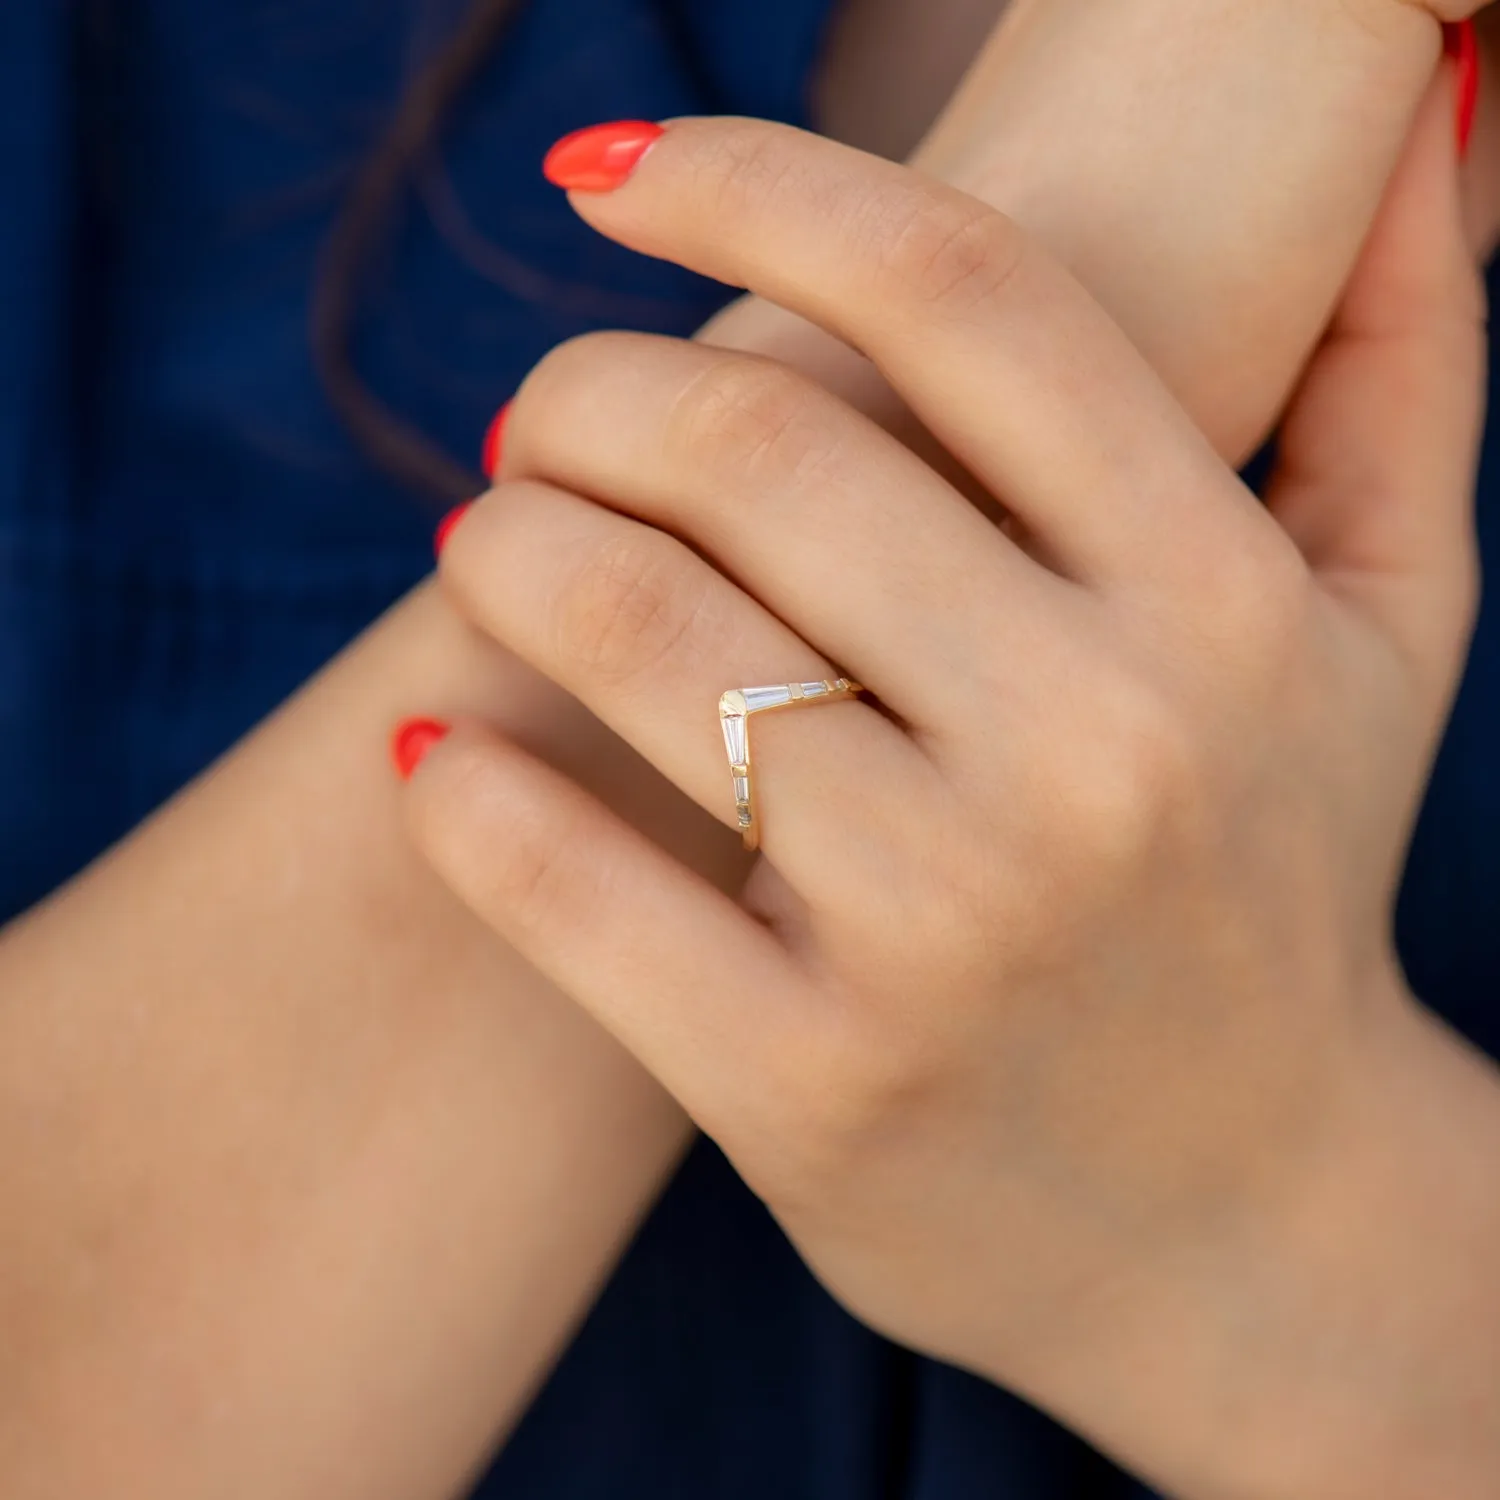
(1006, 358)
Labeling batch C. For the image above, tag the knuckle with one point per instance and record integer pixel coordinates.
(951, 252)
(565, 360)
(1142, 785)
(578, 353)
(1161, 752)
(629, 605)
(754, 417)
(568, 371)
(1262, 599)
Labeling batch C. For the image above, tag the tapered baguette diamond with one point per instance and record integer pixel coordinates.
(767, 697)
(736, 740)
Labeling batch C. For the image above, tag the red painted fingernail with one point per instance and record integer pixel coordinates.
(412, 740)
(494, 437)
(599, 159)
(1462, 44)
(446, 525)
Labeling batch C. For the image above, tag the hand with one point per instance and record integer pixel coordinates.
(1057, 1016)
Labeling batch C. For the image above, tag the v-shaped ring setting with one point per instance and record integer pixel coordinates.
(735, 709)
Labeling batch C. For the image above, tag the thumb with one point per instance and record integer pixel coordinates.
(1378, 452)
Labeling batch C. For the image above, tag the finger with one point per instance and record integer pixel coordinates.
(1376, 474)
(661, 958)
(1000, 352)
(750, 323)
(827, 520)
(648, 636)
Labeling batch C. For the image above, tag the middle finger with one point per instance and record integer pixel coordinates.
(814, 510)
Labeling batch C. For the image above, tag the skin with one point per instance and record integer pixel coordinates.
(892, 67)
(1060, 1025)
(306, 1176)
(1329, 119)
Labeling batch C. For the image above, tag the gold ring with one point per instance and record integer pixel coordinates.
(735, 708)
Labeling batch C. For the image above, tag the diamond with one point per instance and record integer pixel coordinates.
(736, 739)
(767, 697)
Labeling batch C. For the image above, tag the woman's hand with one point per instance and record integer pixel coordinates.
(1060, 1026)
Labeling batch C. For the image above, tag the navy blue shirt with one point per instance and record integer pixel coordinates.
(187, 532)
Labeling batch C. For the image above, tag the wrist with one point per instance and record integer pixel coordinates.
(1339, 1337)
(1347, 1342)
(1385, 1376)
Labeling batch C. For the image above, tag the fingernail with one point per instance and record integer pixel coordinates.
(1462, 44)
(494, 436)
(599, 159)
(412, 740)
(446, 525)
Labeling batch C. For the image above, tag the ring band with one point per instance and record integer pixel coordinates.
(735, 708)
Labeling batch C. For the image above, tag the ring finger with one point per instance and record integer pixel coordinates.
(648, 636)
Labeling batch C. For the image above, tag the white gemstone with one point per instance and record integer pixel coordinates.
(736, 741)
(741, 788)
(814, 689)
(767, 697)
